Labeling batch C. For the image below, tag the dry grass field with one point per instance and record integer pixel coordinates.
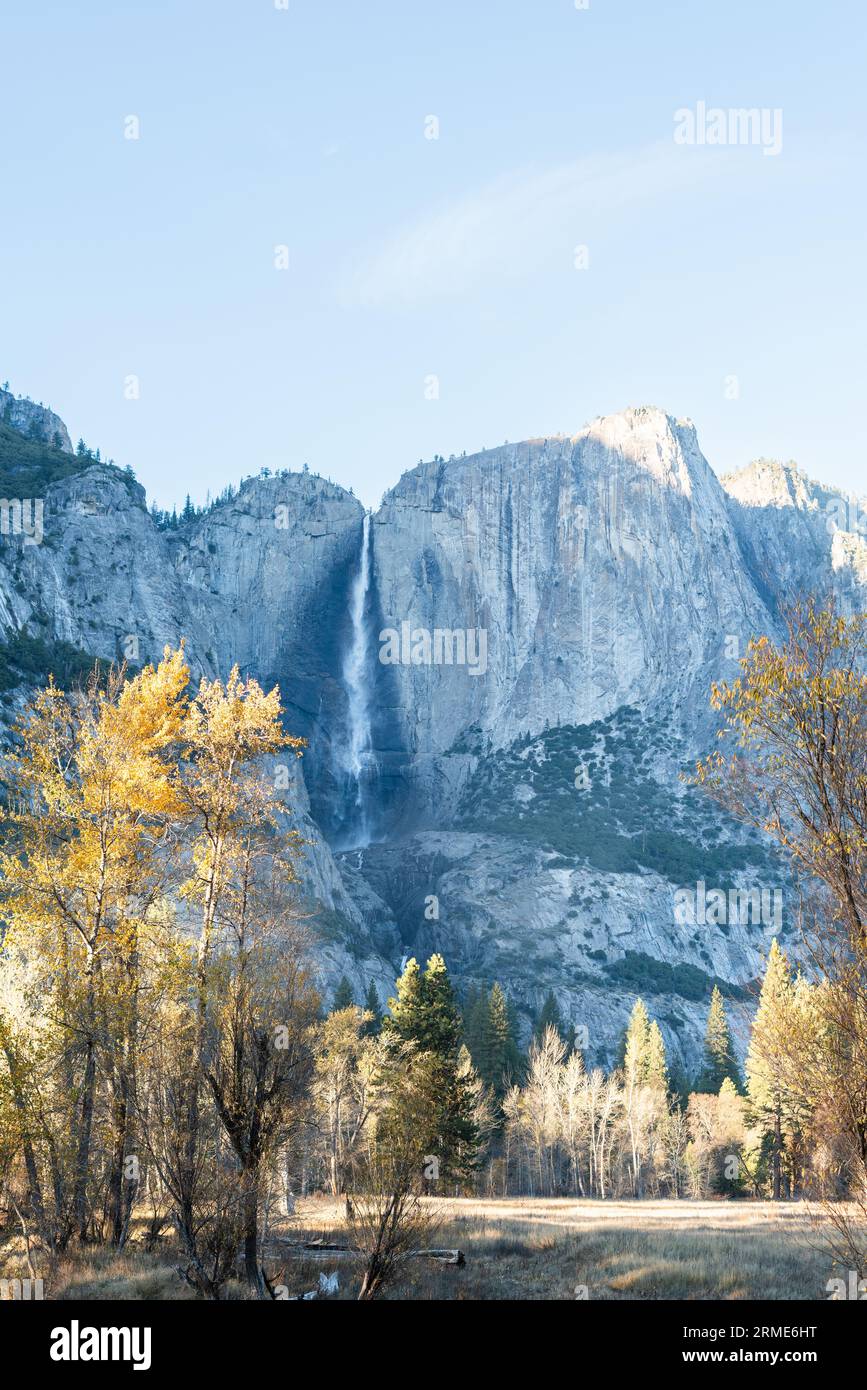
(516, 1248)
(540, 1248)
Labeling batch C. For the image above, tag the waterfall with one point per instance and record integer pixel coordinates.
(355, 677)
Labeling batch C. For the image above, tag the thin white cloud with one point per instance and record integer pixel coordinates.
(516, 223)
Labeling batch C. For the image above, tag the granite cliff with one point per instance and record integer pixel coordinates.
(500, 676)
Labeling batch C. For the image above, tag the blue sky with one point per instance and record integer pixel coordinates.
(411, 258)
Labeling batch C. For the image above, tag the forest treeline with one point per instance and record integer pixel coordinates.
(166, 1059)
(545, 1123)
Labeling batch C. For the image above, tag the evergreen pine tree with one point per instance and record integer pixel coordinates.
(719, 1060)
(766, 1060)
(372, 1006)
(655, 1071)
(679, 1085)
(642, 1051)
(634, 1046)
(424, 1012)
(405, 1009)
(344, 997)
(517, 1057)
(474, 1012)
(499, 1057)
(549, 1017)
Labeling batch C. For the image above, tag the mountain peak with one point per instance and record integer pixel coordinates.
(644, 421)
(768, 482)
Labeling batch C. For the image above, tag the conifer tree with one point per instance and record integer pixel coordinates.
(424, 1013)
(643, 1051)
(766, 1059)
(344, 997)
(499, 1060)
(635, 1043)
(474, 1014)
(516, 1053)
(719, 1060)
(372, 1006)
(405, 1008)
(551, 1017)
(636, 1059)
(655, 1070)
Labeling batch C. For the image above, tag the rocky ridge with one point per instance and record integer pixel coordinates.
(529, 821)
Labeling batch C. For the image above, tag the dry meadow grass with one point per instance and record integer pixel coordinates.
(516, 1248)
(558, 1248)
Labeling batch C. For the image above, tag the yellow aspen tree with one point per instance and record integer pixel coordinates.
(90, 797)
(241, 854)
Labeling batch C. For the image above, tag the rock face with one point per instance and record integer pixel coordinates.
(554, 547)
(266, 578)
(605, 570)
(794, 530)
(35, 421)
(536, 635)
(101, 579)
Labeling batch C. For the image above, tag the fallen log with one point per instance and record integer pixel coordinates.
(335, 1249)
(314, 1247)
(446, 1257)
(320, 1243)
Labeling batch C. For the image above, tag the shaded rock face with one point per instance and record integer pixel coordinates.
(267, 578)
(797, 534)
(525, 813)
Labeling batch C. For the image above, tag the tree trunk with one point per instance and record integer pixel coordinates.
(334, 1167)
(252, 1265)
(116, 1175)
(82, 1162)
(125, 1105)
(37, 1205)
(371, 1282)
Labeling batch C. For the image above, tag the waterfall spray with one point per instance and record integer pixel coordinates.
(355, 676)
